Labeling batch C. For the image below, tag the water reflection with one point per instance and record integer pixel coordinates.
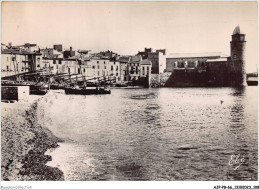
(157, 134)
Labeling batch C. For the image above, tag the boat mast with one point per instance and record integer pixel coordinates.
(82, 60)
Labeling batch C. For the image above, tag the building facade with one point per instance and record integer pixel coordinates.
(145, 68)
(206, 69)
(158, 59)
(134, 67)
(17, 61)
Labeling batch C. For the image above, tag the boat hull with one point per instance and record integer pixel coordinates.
(38, 90)
(56, 87)
(252, 83)
(86, 91)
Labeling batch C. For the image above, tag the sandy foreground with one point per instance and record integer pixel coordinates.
(24, 143)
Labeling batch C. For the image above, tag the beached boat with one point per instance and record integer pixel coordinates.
(121, 85)
(56, 86)
(87, 90)
(38, 89)
(252, 82)
(252, 79)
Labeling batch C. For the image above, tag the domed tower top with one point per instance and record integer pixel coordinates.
(237, 30)
(238, 35)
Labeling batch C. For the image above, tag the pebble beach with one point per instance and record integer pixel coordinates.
(24, 143)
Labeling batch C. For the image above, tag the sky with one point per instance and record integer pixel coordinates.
(129, 27)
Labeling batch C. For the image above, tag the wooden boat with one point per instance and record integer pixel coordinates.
(38, 89)
(252, 83)
(121, 85)
(252, 79)
(56, 86)
(87, 90)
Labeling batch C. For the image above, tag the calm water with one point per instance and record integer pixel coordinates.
(154, 134)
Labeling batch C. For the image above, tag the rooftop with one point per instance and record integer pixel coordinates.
(195, 55)
(123, 58)
(146, 62)
(136, 58)
(19, 52)
(78, 56)
(222, 59)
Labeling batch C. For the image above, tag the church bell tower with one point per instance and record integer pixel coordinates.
(237, 65)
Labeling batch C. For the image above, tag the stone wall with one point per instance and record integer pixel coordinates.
(159, 80)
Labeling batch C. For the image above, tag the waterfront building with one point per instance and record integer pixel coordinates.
(124, 71)
(73, 64)
(158, 59)
(105, 68)
(145, 68)
(204, 69)
(193, 60)
(51, 60)
(197, 69)
(134, 67)
(19, 59)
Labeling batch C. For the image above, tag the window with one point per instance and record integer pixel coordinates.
(235, 56)
(93, 67)
(84, 70)
(7, 58)
(98, 73)
(117, 68)
(68, 69)
(98, 66)
(104, 62)
(97, 61)
(116, 74)
(111, 67)
(147, 68)
(114, 63)
(7, 68)
(105, 67)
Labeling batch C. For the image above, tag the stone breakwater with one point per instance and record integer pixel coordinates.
(23, 145)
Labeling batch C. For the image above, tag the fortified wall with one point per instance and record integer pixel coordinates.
(205, 69)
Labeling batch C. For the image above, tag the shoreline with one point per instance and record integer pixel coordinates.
(24, 143)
